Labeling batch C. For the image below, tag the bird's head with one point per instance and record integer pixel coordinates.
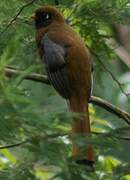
(46, 15)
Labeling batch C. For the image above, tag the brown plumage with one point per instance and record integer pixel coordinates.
(68, 65)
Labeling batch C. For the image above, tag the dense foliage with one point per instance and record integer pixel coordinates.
(34, 112)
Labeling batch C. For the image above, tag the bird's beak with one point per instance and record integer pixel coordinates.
(33, 17)
(31, 21)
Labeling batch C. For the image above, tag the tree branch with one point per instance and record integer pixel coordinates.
(111, 108)
(106, 134)
(13, 145)
(10, 72)
(16, 16)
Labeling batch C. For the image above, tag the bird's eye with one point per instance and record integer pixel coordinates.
(48, 16)
(43, 19)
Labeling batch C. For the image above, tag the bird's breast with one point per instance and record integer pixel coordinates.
(77, 58)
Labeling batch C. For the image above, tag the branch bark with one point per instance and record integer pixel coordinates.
(111, 108)
(13, 145)
(11, 72)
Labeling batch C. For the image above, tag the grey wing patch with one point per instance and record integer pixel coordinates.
(55, 65)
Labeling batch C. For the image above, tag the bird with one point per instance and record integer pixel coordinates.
(68, 65)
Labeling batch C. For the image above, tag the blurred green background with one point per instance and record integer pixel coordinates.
(34, 112)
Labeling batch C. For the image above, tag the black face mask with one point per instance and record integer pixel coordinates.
(42, 19)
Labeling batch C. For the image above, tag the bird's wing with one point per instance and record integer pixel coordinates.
(54, 59)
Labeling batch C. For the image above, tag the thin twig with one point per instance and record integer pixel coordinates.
(10, 72)
(114, 133)
(111, 134)
(13, 145)
(16, 16)
(111, 74)
(119, 50)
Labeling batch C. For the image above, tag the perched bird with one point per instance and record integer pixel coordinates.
(68, 65)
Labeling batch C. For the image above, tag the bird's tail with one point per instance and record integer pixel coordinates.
(81, 125)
